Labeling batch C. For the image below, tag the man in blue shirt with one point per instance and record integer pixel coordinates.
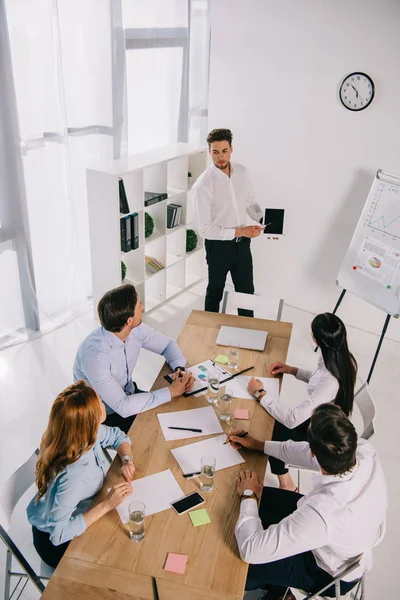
(107, 357)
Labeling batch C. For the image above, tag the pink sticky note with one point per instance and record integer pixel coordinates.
(176, 563)
(241, 413)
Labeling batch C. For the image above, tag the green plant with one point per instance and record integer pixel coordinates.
(148, 225)
(189, 174)
(191, 240)
(123, 270)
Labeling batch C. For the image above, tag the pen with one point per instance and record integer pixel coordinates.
(243, 434)
(190, 475)
(186, 429)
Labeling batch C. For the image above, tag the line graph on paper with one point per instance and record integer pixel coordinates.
(384, 211)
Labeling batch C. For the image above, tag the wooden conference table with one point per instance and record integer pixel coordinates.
(105, 564)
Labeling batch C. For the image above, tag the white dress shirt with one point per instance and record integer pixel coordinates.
(340, 520)
(222, 203)
(322, 387)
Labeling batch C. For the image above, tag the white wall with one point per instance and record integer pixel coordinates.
(275, 71)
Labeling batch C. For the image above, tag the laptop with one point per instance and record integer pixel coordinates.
(251, 339)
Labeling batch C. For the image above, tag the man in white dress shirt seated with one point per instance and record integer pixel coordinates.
(306, 541)
(108, 356)
(223, 200)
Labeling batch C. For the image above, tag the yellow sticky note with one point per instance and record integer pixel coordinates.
(199, 517)
(221, 359)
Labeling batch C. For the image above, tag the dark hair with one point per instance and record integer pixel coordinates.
(116, 306)
(332, 439)
(330, 334)
(220, 135)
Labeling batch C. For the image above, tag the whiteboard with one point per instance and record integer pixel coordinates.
(371, 267)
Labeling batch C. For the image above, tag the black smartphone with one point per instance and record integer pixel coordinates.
(274, 221)
(187, 503)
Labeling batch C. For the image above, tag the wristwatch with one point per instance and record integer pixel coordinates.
(248, 494)
(179, 369)
(258, 393)
(127, 458)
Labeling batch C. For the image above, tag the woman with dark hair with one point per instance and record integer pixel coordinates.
(70, 471)
(332, 381)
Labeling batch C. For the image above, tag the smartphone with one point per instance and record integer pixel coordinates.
(187, 503)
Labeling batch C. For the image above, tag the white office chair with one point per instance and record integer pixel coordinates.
(263, 308)
(366, 406)
(357, 593)
(22, 560)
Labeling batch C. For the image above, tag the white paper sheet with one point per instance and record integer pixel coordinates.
(199, 418)
(155, 491)
(239, 387)
(189, 456)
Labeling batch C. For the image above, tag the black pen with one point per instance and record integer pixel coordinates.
(189, 475)
(186, 429)
(243, 434)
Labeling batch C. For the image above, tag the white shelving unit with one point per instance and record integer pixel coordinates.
(164, 170)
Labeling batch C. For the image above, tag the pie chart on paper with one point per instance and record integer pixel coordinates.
(375, 262)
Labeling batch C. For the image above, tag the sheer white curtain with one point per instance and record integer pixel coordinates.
(62, 74)
(82, 81)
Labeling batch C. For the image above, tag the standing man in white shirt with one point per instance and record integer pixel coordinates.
(223, 197)
(306, 541)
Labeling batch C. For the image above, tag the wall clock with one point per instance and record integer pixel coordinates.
(357, 91)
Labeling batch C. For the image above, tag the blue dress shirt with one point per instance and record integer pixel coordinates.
(106, 364)
(59, 511)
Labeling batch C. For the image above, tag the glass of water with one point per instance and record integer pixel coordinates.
(207, 473)
(213, 386)
(136, 521)
(225, 404)
(233, 357)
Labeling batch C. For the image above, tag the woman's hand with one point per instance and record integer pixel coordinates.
(254, 385)
(278, 368)
(117, 494)
(127, 470)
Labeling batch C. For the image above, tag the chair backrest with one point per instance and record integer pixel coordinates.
(366, 406)
(16, 486)
(264, 308)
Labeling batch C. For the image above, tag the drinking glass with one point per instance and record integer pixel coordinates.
(207, 473)
(213, 386)
(136, 521)
(225, 404)
(233, 357)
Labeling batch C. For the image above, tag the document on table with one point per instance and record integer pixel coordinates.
(239, 387)
(197, 418)
(189, 457)
(155, 491)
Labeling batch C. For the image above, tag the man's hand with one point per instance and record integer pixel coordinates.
(245, 442)
(183, 382)
(127, 470)
(250, 231)
(247, 480)
(254, 385)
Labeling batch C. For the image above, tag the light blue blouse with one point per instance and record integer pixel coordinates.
(59, 511)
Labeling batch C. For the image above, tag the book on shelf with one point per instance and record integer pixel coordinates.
(153, 265)
(129, 232)
(153, 197)
(174, 212)
(123, 200)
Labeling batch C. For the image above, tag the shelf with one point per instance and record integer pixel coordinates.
(193, 252)
(191, 278)
(156, 235)
(133, 281)
(172, 290)
(174, 229)
(173, 259)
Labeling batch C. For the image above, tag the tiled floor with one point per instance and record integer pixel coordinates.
(32, 374)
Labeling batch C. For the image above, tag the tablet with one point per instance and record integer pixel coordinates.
(274, 221)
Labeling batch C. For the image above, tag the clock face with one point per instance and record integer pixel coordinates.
(357, 91)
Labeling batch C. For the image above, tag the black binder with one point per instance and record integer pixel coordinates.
(123, 201)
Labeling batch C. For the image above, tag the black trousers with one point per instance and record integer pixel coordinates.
(124, 423)
(224, 257)
(282, 433)
(47, 551)
(300, 571)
